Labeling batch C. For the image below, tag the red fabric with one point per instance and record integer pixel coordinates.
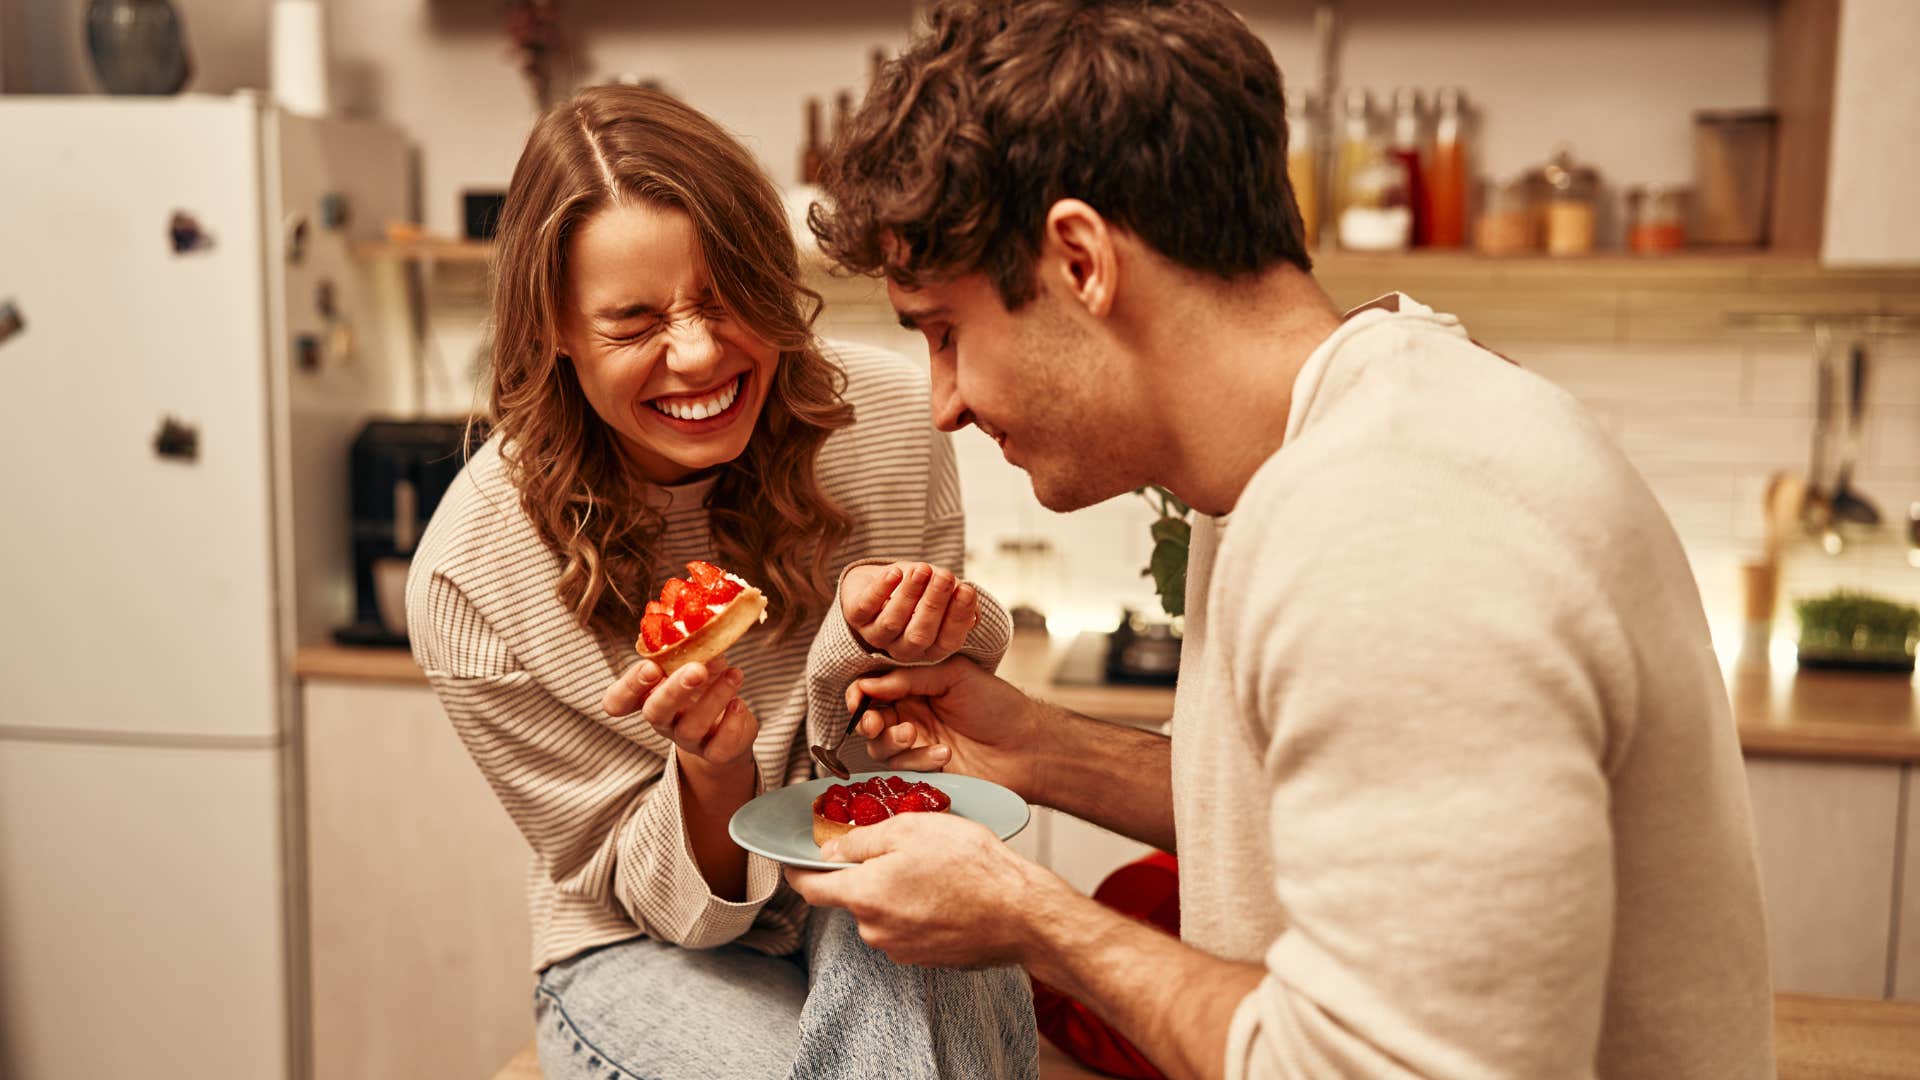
(1148, 890)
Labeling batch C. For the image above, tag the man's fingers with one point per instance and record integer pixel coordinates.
(866, 842)
(891, 686)
(883, 745)
(932, 758)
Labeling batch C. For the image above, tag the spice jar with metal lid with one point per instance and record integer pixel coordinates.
(1572, 195)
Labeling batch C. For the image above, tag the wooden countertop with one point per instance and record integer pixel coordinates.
(1780, 710)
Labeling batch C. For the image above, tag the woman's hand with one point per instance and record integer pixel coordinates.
(912, 611)
(696, 707)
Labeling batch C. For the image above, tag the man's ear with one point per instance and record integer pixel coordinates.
(1077, 247)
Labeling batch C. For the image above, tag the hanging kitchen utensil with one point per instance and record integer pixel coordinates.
(1848, 505)
(1815, 512)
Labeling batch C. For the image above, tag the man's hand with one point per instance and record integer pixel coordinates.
(696, 707)
(956, 717)
(912, 611)
(935, 889)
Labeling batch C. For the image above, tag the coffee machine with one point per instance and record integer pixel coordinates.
(401, 468)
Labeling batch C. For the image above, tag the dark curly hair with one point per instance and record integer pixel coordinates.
(1166, 116)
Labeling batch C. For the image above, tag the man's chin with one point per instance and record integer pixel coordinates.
(1063, 495)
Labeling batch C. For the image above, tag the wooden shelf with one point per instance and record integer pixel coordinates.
(426, 250)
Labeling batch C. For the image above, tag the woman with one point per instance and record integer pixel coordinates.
(658, 398)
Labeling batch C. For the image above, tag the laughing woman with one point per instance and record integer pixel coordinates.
(657, 398)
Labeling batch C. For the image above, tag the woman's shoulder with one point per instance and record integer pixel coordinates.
(880, 381)
(479, 527)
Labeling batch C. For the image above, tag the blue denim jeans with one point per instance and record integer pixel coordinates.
(645, 1010)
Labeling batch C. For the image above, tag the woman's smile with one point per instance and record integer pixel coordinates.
(703, 411)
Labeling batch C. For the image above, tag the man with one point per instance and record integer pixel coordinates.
(1452, 778)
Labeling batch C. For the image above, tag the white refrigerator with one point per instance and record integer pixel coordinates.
(187, 344)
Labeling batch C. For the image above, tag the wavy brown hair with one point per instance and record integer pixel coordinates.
(1166, 116)
(771, 520)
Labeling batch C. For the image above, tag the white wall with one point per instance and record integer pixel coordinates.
(1873, 214)
(1619, 79)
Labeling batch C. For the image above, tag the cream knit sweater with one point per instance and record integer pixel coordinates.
(1452, 755)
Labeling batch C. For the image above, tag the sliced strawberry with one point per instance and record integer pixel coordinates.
(724, 590)
(690, 607)
(655, 607)
(839, 793)
(936, 799)
(705, 574)
(915, 801)
(670, 592)
(841, 812)
(881, 786)
(868, 810)
(658, 631)
(895, 804)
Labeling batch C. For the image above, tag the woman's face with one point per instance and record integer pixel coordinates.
(676, 378)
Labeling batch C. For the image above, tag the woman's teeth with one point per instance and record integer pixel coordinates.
(699, 408)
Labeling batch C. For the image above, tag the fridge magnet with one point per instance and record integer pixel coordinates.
(297, 240)
(335, 210)
(11, 322)
(323, 301)
(187, 234)
(306, 352)
(176, 441)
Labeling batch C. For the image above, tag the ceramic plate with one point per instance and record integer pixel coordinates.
(779, 824)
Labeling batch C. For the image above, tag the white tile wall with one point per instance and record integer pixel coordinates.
(1705, 423)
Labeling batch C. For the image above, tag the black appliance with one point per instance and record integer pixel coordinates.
(400, 469)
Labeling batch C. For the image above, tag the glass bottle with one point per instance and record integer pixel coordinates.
(1447, 174)
(811, 152)
(1378, 216)
(1303, 162)
(1357, 146)
(1409, 108)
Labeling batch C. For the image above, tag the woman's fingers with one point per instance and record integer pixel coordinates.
(929, 613)
(894, 618)
(961, 616)
(869, 603)
(630, 690)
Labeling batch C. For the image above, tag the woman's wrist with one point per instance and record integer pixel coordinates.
(718, 784)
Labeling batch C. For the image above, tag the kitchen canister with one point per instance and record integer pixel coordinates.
(298, 57)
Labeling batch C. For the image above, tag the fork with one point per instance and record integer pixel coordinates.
(830, 759)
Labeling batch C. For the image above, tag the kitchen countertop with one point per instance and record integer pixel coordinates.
(1780, 711)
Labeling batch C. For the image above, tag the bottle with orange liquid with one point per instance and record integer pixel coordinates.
(1446, 179)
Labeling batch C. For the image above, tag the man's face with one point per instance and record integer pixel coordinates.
(1037, 381)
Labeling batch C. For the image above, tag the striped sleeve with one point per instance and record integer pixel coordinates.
(838, 657)
(600, 808)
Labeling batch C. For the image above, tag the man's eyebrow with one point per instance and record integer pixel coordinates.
(912, 318)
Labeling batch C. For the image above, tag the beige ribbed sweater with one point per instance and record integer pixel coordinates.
(1452, 753)
(597, 797)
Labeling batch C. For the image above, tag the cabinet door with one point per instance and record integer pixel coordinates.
(1827, 842)
(421, 956)
(1907, 962)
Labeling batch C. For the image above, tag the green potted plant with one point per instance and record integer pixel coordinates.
(1857, 631)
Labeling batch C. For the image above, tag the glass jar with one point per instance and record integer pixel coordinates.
(1509, 222)
(1379, 213)
(1303, 161)
(1656, 218)
(1572, 205)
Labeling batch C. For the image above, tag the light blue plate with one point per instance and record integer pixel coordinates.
(779, 824)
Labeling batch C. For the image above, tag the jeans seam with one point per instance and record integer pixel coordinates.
(561, 1007)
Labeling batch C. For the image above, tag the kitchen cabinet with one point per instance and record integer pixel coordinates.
(1906, 983)
(1827, 844)
(416, 892)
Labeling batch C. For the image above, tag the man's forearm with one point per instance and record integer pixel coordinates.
(1174, 1002)
(1117, 777)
